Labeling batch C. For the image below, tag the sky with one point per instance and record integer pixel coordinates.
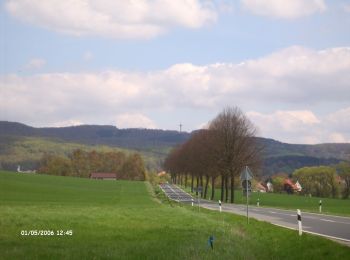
(161, 63)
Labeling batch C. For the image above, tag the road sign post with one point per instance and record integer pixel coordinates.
(246, 177)
(220, 205)
(320, 206)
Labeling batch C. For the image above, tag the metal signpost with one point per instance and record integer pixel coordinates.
(246, 177)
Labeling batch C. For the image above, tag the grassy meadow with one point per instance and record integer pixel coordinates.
(127, 220)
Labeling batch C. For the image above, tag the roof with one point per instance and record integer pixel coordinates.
(103, 175)
(290, 183)
(260, 186)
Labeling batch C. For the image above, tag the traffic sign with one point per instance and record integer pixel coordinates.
(246, 177)
(247, 184)
(246, 174)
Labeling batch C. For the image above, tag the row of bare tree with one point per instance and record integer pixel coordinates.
(216, 154)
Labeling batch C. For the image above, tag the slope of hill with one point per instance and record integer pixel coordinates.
(275, 148)
(27, 151)
(133, 138)
(21, 144)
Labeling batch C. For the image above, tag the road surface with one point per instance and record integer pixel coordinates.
(333, 227)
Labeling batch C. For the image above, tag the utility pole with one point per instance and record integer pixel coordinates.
(180, 127)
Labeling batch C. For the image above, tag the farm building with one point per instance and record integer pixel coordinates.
(260, 187)
(103, 176)
(290, 187)
(269, 187)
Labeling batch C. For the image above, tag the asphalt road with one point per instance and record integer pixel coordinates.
(333, 227)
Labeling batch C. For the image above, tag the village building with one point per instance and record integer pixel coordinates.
(290, 187)
(269, 186)
(298, 186)
(260, 187)
(27, 171)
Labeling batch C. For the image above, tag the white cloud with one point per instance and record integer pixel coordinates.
(35, 63)
(346, 8)
(284, 9)
(339, 120)
(135, 120)
(113, 18)
(289, 125)
(87, 56)
(70, 122)
(289, 80)
(338, 138)
(303, 126)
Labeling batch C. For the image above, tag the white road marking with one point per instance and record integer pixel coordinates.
(213, 207)
(328, 220)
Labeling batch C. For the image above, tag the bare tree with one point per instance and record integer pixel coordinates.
(236, 146)
(202, 159)
(222, 150)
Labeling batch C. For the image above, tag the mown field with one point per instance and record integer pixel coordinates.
(125, 220)
(284, 201)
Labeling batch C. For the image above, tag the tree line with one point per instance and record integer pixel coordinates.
(319, 181)
(217, 155)
(82, 163)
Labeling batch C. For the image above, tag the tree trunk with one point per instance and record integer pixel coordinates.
(197, 185)
(192, 177)
(201, 179)
(212, 188)
(232, 188)
(206, 185)
(222, 187)
(226, 189)
(186, 180)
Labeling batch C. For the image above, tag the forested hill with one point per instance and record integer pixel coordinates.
(155, 144)
(328, 150)
(133, 138)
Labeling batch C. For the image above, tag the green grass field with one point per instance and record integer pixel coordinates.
(125, 220)
(284, 201)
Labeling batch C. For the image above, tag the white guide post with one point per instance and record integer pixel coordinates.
(300, 226)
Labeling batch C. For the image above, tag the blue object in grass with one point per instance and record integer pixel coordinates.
(211, 242)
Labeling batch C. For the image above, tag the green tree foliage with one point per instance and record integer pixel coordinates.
(55, 165)
(318, 181)
(155, 178)
(82, 163)
(277, 183)
(133, 168)
(343, 169)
